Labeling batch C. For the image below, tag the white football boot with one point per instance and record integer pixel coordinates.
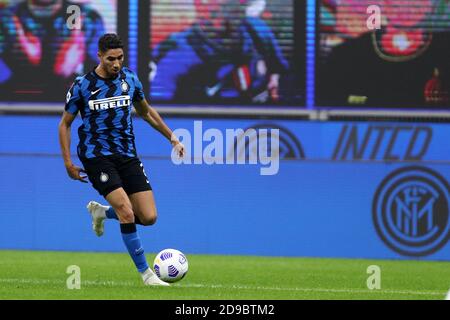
(151, 279)
(98, 214)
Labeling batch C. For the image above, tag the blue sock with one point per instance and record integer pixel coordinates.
(134, 246)
(111, 214)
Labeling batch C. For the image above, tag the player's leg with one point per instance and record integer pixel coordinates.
(105, 178)
(122, 206)
(104, 174)
(101, 212)
(136, 184)
(144, 207)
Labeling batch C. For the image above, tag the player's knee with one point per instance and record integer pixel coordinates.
(150, 219)
(125, 212)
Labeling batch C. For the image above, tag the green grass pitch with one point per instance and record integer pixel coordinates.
(42, 275)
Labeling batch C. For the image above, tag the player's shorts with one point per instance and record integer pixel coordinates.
(108, 173)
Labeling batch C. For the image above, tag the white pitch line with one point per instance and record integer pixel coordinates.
(240, 287)
(233, 287)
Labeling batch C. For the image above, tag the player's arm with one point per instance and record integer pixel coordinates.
(64, 140)
(152, 117)
(73, 103)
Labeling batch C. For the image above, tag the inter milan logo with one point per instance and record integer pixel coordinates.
(411, 211)
(104, 177)
(125, 87)
(68, 96)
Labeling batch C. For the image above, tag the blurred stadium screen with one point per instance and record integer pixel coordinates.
(403, 63)
(39, 56)
(240, 52)
(223, 52)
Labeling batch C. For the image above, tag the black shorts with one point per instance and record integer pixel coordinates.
(108, 173)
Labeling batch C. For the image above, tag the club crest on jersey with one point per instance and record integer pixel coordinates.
(68, 96)
(124, 86)
(110, 103)
(104, 177)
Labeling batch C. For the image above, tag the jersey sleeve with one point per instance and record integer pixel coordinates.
(73, 99)
(138, 90)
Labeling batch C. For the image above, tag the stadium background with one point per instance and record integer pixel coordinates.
(336, 158)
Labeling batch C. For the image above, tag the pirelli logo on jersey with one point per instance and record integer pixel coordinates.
(110, 103)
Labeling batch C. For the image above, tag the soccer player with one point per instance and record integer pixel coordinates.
(228, 53)
(107, 150)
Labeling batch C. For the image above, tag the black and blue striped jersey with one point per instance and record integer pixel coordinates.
(105, 107)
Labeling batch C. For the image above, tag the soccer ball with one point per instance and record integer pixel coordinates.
(170, 265)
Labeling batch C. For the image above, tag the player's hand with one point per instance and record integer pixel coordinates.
(178, 147)
(75, 173)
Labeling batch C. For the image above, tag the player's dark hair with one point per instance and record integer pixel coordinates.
(109, 41)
